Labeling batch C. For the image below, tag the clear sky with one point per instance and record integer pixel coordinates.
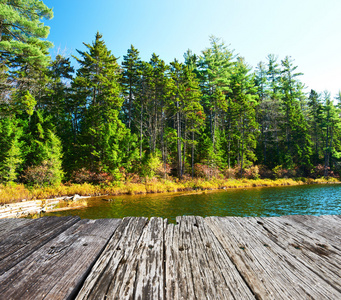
(307, 30)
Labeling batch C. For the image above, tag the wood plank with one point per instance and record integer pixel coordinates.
(23, 241)
(177, 266)
(197, 267)
(143, 275)
(313, 251)
(270, 271)
(318, 226)
(6, 225)
(113, 261)
(58, 269)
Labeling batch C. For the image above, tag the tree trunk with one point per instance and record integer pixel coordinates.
(242, 151)
(178, 129)
(141, 118)
(326, 155)
(192, 154)
(185, 147)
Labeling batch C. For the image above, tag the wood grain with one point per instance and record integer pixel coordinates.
(22, 241)
(58, 269)
(270, 271)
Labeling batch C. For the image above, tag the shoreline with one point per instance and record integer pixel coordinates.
(19, 193)
(53, 197)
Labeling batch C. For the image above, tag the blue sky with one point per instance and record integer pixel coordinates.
(307, 30)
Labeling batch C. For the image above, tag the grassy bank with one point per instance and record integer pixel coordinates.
(17, 192)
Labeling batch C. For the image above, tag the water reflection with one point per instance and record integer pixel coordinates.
(313, 200)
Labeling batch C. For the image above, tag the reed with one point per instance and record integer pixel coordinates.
(16, 192)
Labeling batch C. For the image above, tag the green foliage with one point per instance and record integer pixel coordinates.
(11, 156)
(152, 164)
(98, 92)
(22, 33)
(210, 115)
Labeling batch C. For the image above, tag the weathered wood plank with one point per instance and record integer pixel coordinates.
(177, 266)
(143, 275)
(6, 225)
(113, 261)
(270, 271)
(314, 251)
(58, 269)
(19, 243)
(197, 267)
(321, 226)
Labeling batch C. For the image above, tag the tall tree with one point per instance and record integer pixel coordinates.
(243, 93)
(97, 89)
(11, 156)
(315, 120)
(22, 34)
(130, 82)
(215, 69)
(291, 90)
(331, 126)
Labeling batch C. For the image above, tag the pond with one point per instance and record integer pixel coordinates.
(260, 202)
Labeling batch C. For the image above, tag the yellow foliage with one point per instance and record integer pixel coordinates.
(17, 192)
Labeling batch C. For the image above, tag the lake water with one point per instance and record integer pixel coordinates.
(260, 202)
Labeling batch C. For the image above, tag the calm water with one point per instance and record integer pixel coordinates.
(277, 201)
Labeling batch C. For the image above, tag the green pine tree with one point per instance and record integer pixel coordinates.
(97, 90)
(22, 34)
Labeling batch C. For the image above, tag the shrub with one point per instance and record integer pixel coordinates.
(251, 173)
(205, 171)
(265, 172)
(151, 166)
(44, 174)
(83, 175)
(280, 172)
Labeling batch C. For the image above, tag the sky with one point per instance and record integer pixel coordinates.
(307, 30)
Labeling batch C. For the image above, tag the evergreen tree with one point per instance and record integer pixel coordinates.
(315, 121)
(331, 126)
(261, 111)
(97, 89)
(293, 119)
(22, 34)
(215, 68)
(273, 113)
(42, 151)
(131, 86)
(243, 93)
(11, 157)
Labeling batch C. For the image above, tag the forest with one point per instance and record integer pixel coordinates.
(209, 116)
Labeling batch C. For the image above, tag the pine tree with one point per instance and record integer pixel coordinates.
(292, 115)
(243, 93)
(273, 112)
(22, 34)
(215, 68)
(11, 156)
(315, 120)
(130, 82)
(331, 126)
(42, 151)
(97, 89)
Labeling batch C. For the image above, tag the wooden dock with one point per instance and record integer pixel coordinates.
(291, 257)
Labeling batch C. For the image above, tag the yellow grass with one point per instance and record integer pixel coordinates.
(17, 192)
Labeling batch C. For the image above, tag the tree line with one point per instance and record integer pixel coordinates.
(208, 116)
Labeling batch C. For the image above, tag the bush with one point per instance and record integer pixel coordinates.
(44, 174)
(163, 170)
(205, 171)
(251, 173)
(231, 173)
(280, 172)
(83, 175)
(265, 172)
(151, 166)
